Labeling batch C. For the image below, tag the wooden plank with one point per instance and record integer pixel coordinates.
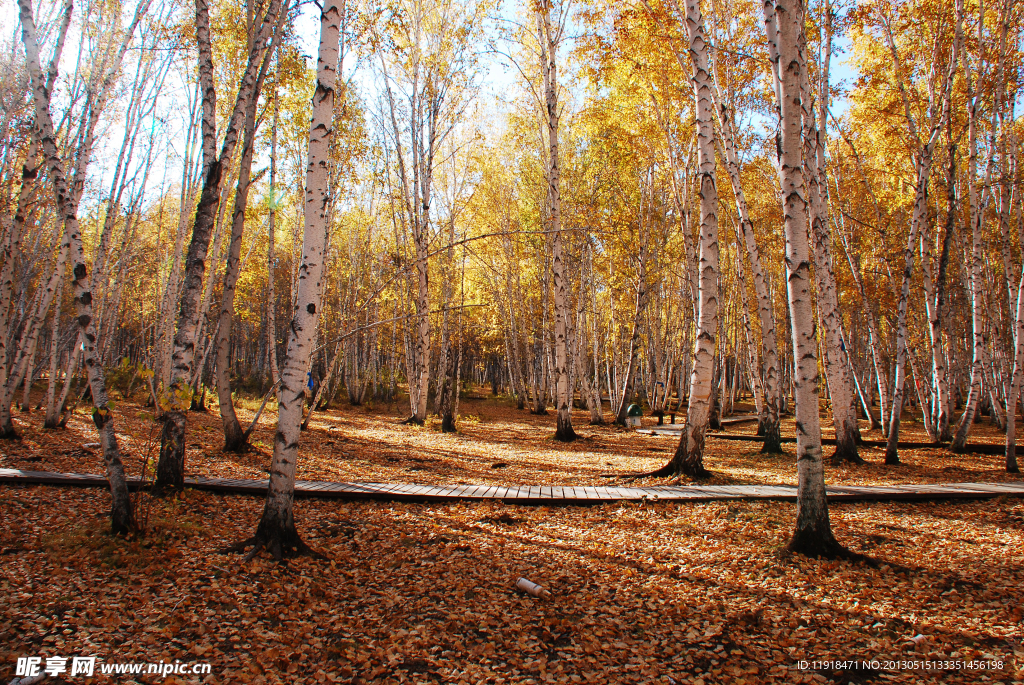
(1006, 488)
(490, 492)
(436, 492)
(543, 493)
(471, 491)
(633, 493)
(653, 491)
(405, 489)
(979, 487)
(517, 493)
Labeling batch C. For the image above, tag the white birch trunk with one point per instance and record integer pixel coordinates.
(689, 455)
(121, 508)
(276, 532)
(784, 24)
(170, 472)
(844, 416)
(1015, 382)
(563, 391)
(769, 423)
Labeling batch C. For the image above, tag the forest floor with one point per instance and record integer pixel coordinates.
(496, 444)
(413, 593)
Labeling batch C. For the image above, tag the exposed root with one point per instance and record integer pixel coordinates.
(846, 456)
(772, 439)
(670, 470)
(820, 546)
(279, 549)
(237, 442)
(566, 435)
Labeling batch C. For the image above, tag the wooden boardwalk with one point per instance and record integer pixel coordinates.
(545, 494)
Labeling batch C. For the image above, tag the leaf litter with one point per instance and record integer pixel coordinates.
(411, 593)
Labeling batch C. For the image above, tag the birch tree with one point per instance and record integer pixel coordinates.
(171, 467)
(784, 25)
(769, 422)
(550, 38)
(121, 514)
(426, 62)
(939, 91)
(844, 417)
(689, 455)
(234, 438)
(977, 205)
(276, 531)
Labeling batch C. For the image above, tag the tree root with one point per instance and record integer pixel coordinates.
(241, 446)
(279, 549)
(839, 458)
(669, 470)
(566, 435)
(825, 547)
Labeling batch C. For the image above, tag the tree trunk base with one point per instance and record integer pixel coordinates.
(7, 432)
(697, 472)
(846, 451)
(121, 520)
(819, 545)
(772, 439)
(235, 439)
(170, 470)
(413, 421)
(281, 541)
(565, 433)
(597, 422)
(671, 470)
(448, 424)
(892, 456)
